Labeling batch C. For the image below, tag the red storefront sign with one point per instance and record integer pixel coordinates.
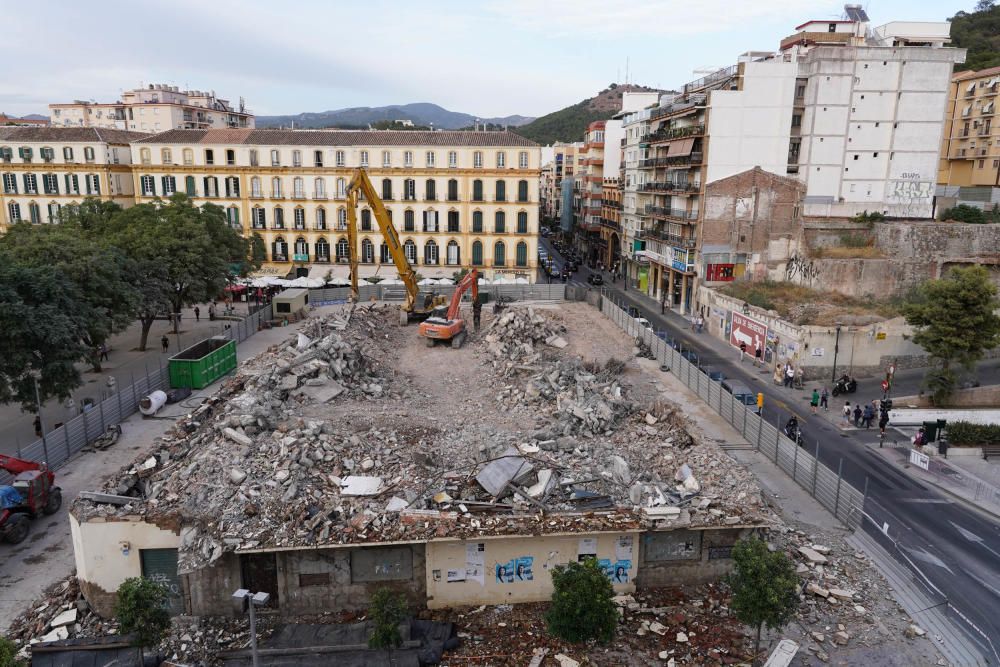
(746, 330)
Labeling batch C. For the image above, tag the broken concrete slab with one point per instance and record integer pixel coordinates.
(816, 589)
(546, 482)
(65, 618)
(323, 393)
(358, 485)
(108, 498)
(497, 474)
(557, 342)
(812, 556)
(237, 437)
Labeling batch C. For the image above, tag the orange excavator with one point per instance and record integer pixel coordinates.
(445, 325)
(32, 494)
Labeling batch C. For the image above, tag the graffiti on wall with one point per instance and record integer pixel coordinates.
(801, 269)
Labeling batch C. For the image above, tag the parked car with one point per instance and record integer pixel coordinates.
(743, 393)
(643, 322)
(633, 312)
(595, 279)
(714, 374)
(691, 356)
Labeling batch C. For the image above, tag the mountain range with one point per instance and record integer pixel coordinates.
(420, 113)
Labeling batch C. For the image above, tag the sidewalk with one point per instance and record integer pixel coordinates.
(125, 362)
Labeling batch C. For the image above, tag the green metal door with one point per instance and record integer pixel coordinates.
(160, 565)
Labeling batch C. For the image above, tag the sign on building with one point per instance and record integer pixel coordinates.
(749, 331)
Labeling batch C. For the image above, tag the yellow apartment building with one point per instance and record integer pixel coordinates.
(970, 155)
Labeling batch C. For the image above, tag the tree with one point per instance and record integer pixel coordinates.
(141, 609)
(388, 610)
(984, 5)
(8, 654)
(955, 322)
(44, 319)
(181, 254)
(964, 213)
(258, 250)
(582, 606)
(101, 274)
(765, 588)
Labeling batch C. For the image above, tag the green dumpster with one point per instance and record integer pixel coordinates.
(203, 363)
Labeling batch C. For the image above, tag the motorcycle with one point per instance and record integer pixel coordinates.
(794, 433)
(845, 385)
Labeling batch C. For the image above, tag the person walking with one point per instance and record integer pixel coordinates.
(857, 415)
(477, 312)
(789, 375)
(824, 400)
(760, 403)
(197, 314)
(847, 413)
(758, 357)
(867, 416)
(743, 351)
(798, 378)
(104, 352)
(38, 426)
(165, 342)
(779, 373)
(814, 401)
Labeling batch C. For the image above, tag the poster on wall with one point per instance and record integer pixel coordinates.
(456, 575)
(623, 547)
(749, 331)
(606, 567)
(620, 572)
(475, 562)
(504, 572)
(523, 567)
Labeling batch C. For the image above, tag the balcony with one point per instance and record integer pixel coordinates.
(298, 195)
(672, 239)
(319, 195)
(670, 187)
(277, 195)
(671, 213)
(667, 134)
(694, 103)
(256, 195)
(611, 224)
(675, 161)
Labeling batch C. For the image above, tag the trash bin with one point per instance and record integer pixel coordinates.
(942, 446)
(931, 429)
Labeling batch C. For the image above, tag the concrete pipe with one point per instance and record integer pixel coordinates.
(149, 405)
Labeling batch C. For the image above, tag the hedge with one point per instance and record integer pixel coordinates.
(965, 434)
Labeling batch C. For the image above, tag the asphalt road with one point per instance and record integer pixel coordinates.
(954, 552)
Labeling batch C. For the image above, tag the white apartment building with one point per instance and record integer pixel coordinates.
(154, 108)
(43, 169)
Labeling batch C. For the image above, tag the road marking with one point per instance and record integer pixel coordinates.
(972, 537)
(995, 591)
(930, 558)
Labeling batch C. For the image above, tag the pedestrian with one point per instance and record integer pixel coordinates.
(779, 373)
(701, 323)
(847, 413)
(857, 415)
(919, 439)
(824, 400)
(883, 421)
(798, 377)
(758, 357)
(165, 342)
(104, 352)
(211, 312)
(743, 350)
(760, 402)
(38, 426)
(477, 311)
(789, 375)
(197, 314)
(814, 401)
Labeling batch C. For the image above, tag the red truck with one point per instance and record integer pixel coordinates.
(32, 494)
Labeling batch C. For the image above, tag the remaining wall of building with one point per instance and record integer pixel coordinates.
(686, 556)
(107, 552)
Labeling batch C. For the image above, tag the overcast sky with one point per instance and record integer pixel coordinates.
(486, 57)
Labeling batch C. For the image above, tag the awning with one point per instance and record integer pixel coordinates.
(681, 147)
(271, 270)
(972, 87)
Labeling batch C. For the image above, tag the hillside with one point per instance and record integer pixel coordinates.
(979, 32)
(421, 113)
(569, 124)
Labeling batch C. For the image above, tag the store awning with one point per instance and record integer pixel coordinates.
(271, 270)
(681, 147)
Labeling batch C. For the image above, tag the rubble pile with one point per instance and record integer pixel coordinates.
(514, 337)
(61, 613)
(586, 400)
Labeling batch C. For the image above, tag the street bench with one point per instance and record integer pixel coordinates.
(990, 450)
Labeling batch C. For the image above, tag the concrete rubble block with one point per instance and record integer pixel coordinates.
(842, 594)
(546, 482)
(912, 631)
(682, 638)
(818, 636)
(236, 475)
(620, 471)
(557, 342)
(816, 589)
(841, 638)
(812, 556)
(396, 504)
(289, 382)
(359, 485)
(650, 419)
(65, 618)
(566, 661)
(323, 393)
(57, 634)
(237, 437)
(658, 628)
(497, 474)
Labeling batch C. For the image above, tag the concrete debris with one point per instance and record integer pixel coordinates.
(566, 661)
(912, 631)
(356, 485)
(497, 475)
(65, 618)
(812, 556)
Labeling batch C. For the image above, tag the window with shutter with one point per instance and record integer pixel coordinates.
(522, 222)
(189, 186)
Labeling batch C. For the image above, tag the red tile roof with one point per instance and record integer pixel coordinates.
(70, 134)
(340, 138)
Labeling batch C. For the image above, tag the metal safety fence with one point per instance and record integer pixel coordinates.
(825, 485)
(536, 292)
(60, 444)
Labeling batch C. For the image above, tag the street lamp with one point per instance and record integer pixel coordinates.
(38, 411)
(251, 600)
(836, 349)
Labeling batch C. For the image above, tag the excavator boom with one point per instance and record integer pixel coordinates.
(471, 279)
(16, 466)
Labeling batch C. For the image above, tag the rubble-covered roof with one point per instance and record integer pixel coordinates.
(316, 442)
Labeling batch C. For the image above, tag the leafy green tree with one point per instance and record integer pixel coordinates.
(388, 610)
(964, 213)
(258, 251)
(979, 32)
(8, 654)
(100, 272)
(955, 321)
(582, 606)
(44, 319)
(765, 588)
(141, 609)
(181, 254)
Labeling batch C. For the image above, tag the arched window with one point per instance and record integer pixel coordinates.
(477, 253)
(499, 254)
(299, 218)
(383, 253)
(410, 250)
(501, 191)
(343, 250)
(276, 187)
(477, 190)
(367, 252)
(408, 224)
(477, 222)
(279, 217)
(452, 189)
(431, 221)
(298, 187)
(431, 190)
(387, 189)
(255, 190)
(522, 254)
(341, 188)
(279, 250)
(166, 156)
(319, 189)
(320, 218)
(454, 257)
(522, 191)
(453, 226)
(431, 252)
(500, 222)
(233, 217)
(341, 218)
(211, 186)
(322, 250)
(296, 158)
(258, 218)
(301, 250)
(522, 222)
(366, 220)
(409, 189)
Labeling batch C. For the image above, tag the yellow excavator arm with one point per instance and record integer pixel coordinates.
(361, 185)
